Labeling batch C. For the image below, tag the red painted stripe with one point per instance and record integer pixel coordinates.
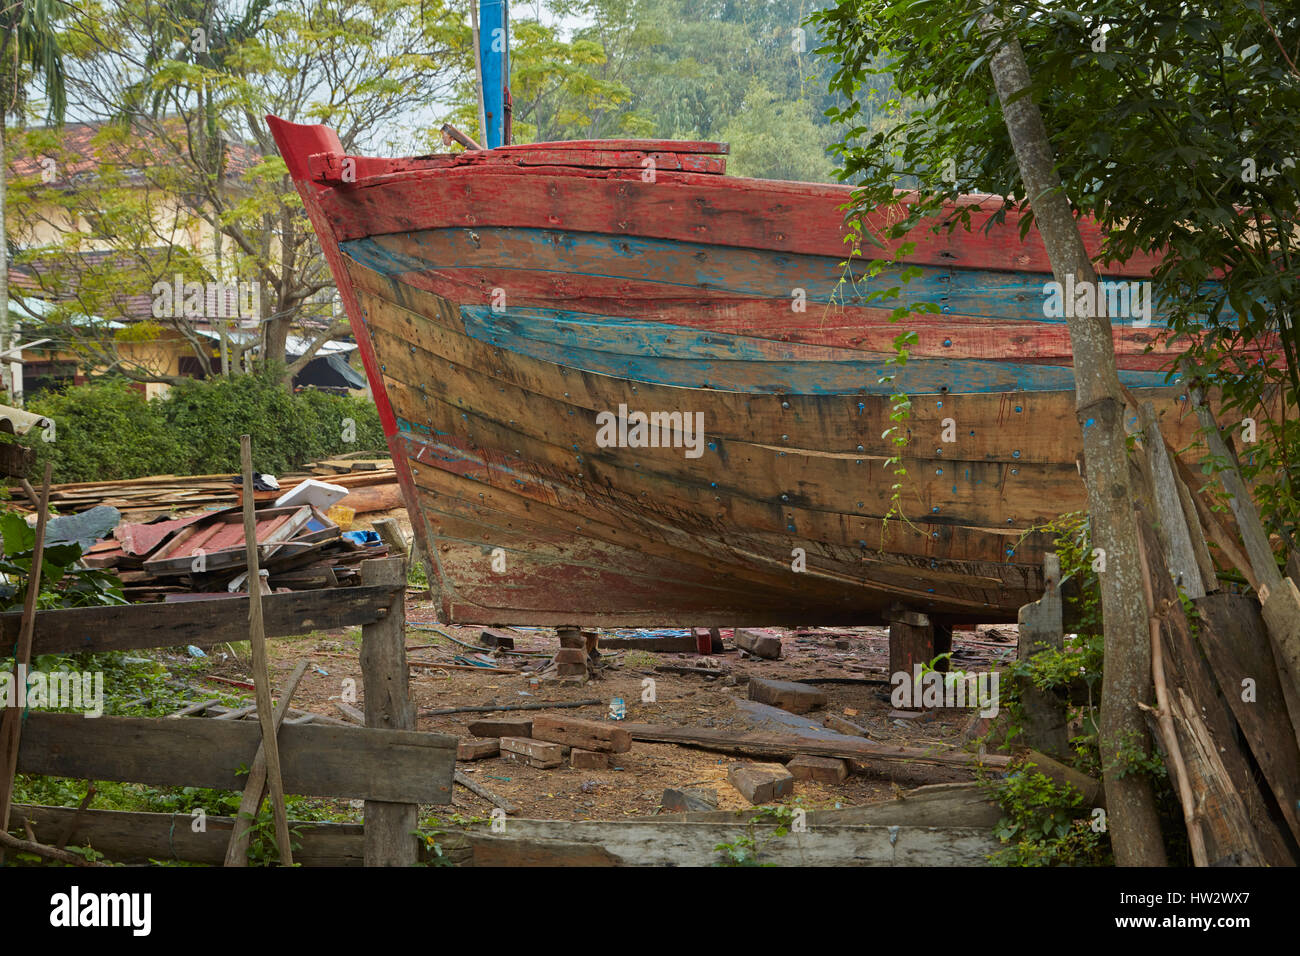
(791, 217)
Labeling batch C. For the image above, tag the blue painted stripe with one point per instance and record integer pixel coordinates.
(561, 344)
(685, 269)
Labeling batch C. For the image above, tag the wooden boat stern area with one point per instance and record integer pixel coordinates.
(623, 388)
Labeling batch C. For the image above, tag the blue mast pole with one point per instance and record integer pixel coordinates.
(494, 52)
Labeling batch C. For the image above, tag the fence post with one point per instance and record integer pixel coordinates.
(389, 827)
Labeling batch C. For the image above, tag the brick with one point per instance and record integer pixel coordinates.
(581, 759)
(535, 753)
(502, 727)
(494, 638)
(688, 799)
(796, 698)
(818, 769)
(758, 644)
(570, 655)
(587, 734)
(477, 749)
(761, 782)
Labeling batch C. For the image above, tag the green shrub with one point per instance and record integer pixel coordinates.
(103, 432)
(107, 430)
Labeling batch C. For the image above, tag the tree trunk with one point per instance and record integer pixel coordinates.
(5, 324)
(1130, 801)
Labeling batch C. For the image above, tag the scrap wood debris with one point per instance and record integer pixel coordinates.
(303, 529)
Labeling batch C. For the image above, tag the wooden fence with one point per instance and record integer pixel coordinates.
(386, 763)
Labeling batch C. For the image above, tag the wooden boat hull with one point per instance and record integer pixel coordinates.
(513, 318)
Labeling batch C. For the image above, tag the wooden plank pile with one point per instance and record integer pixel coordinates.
(1225, 667)
(372, 486)
(170, 559)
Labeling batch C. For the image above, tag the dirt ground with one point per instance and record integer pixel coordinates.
(635, 781)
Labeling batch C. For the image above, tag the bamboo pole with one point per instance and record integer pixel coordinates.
(11, 723)
(261, 678)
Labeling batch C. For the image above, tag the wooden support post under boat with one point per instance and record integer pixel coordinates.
(1042, 629)
(388, 826)
(912, 643)
(574, 658)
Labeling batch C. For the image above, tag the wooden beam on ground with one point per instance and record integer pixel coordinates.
(11, 719)
(360, 763)
(137, 837)
(937, 805)
(251, 801)
(202, 623)
(644, 843)
(390, 827)
(477, 788)
(758, 744)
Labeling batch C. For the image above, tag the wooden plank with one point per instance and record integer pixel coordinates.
(535, 753)
(1229, 804)
(388, 705)
(399, 766)
(1236, 643)
(790, 745)
(202, 623)
(788, 695)
(728, 212)
(587, 734)
(270, 745)
(138, 837)
(639, 843)
(1042, 629)
(1171, 519)
(937, 805)
(463, 779)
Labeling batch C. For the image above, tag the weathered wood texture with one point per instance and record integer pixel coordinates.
(388, 707)
(937, 805)
(399, 766)
(1236, 643)
(675, 296)
(758, 744)
(202, 623)
(526, 843)
(1042, 629)
(135, 837)
(586, 734)
(1238, 827)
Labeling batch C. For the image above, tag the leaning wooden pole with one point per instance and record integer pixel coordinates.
(1130, 799)
(261, 675)
(11, 721)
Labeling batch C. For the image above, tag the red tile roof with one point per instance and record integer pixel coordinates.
(83, 155)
